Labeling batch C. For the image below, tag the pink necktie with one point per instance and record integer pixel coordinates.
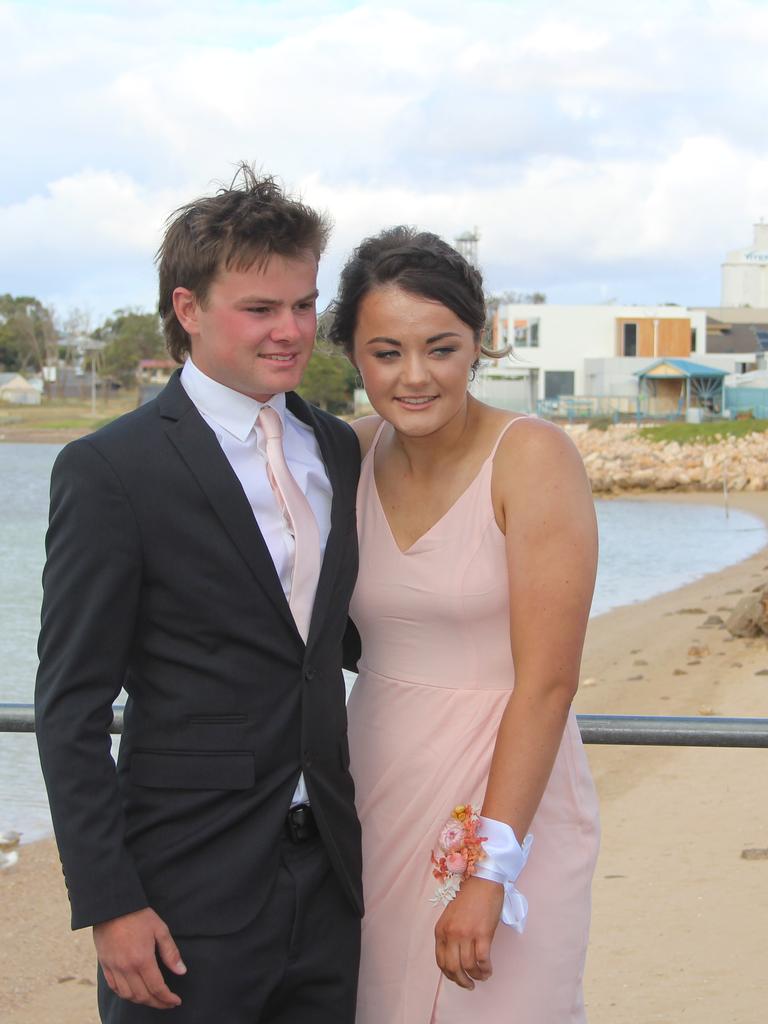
(306, 558)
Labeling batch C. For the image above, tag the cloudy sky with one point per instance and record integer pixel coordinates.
(604, 150)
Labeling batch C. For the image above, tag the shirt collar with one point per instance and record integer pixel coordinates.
(231, 410)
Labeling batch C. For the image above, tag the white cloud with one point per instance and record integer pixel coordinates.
(106, 212)
(594, 146)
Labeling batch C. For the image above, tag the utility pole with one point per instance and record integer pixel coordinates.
(93, 347)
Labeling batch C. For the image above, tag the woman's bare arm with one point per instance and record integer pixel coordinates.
(551, 545)
(544, 501)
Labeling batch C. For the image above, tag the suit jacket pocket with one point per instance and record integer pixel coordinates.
(176, 769)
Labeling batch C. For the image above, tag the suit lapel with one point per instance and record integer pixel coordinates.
(200, 450)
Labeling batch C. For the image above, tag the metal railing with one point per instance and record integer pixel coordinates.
(21, 718)
(618, 730)
(673, 731)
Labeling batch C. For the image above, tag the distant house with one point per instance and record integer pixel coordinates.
(74, 382)
(152, 376)
(16, 390)
(741, 331)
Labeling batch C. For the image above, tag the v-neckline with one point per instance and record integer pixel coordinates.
(439, 520)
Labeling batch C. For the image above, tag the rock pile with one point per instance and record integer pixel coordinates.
(750, 616)
(619, 460)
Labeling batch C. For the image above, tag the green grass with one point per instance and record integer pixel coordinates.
(75, 424)
(65, 414)
(706, 433)
(71, 424)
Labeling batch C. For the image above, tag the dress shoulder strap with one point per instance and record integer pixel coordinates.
(504, 429)
(374, 441)
(377, 435)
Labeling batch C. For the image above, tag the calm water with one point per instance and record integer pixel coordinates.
(648, 548)
(645, 549)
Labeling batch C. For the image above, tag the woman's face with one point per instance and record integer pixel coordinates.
(415, 357)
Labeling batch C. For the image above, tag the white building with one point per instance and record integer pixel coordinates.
(585, 351)
(745, 273)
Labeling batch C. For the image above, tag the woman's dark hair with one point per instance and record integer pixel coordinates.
(416, 261)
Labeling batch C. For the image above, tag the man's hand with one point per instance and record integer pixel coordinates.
(127, 949)
(465, 930)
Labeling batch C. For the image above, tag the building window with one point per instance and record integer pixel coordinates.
(629, 340)
(558, 382)
(526, 333)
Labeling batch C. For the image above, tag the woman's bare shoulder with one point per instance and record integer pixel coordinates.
(536, 452)
(366, 428)
(530, 437)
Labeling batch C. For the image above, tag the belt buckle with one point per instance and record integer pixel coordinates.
(300, 823)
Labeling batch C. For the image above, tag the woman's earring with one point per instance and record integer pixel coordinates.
(358, 381)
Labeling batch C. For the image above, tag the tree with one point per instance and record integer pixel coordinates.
(74, 328)
(495, 299)
(27, 333)
(129, 337)
(329, 380)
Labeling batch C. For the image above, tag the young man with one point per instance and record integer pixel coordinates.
(201, 554)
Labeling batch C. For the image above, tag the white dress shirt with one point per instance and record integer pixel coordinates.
(232, 416)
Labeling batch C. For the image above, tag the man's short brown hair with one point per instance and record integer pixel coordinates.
(241, 226)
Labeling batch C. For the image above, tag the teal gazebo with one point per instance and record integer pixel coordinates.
(673, 386)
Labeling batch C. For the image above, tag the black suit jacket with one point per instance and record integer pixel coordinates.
(158, 580)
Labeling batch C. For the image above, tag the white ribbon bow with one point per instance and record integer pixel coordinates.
(504, 859)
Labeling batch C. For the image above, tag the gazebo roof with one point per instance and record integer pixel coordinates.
(678, 368)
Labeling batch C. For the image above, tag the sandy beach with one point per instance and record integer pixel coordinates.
(680, 922)
(680, 918)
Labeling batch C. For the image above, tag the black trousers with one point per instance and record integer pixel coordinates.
(296, 963)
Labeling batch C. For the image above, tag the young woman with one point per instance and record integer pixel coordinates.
(477, 553)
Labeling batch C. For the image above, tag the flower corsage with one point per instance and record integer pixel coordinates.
(496, 856)
(459, 848)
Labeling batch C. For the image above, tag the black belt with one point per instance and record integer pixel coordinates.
(300, 823)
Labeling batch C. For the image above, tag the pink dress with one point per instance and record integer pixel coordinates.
(435, 676)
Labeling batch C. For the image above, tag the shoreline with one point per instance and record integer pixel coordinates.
(680, 919)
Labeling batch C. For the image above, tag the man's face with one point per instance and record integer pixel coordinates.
(256, 329)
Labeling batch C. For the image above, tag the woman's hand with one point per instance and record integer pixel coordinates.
(465, 930)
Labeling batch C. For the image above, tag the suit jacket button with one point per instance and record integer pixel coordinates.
(307, 758)
(309, 673)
